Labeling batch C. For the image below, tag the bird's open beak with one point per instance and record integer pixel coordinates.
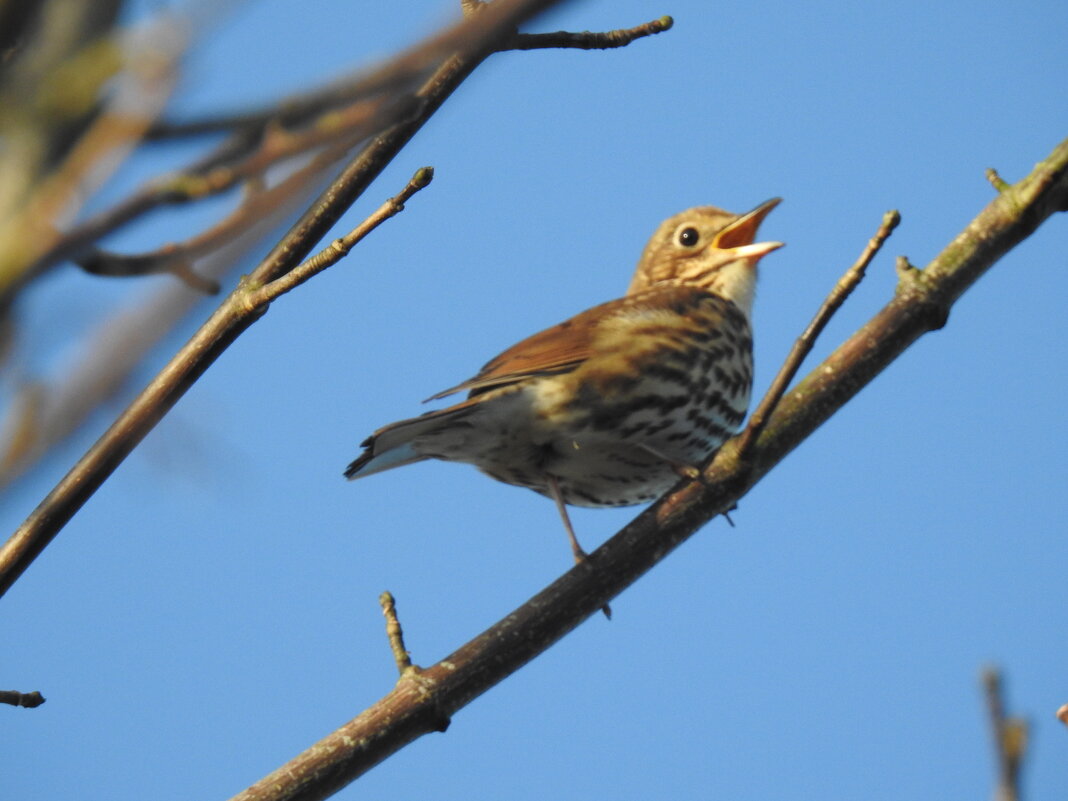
(743, 231)
(756, 251)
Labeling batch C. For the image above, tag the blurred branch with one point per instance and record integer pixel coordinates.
(1010, 737)
(69, 118)
(420, 702)
(493, 26)
(179, 258)
(244, 157)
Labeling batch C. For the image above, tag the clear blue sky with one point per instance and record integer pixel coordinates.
(213, 610)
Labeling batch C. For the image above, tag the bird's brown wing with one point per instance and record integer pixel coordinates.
(567, 345)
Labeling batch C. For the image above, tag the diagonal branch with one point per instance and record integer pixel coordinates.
(803, 346)
(422, 700)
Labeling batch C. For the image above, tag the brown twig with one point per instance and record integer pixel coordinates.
(1009, 735)
(339, 248)
(585, 40)
(395, 634)
(920, 305)
(803, 346)
(27, 700)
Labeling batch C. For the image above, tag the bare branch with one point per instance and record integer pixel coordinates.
(340, 248)
(803, 346)
(586, 40)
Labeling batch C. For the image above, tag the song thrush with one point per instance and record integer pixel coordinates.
(610, 407)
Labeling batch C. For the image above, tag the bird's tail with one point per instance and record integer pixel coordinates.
(394, 445)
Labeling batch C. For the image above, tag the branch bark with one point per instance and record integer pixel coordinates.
(425, 699)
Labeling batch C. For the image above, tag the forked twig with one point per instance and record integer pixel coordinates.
(339, 248)
(803, 346)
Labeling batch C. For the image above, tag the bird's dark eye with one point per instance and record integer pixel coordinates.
(688, 237)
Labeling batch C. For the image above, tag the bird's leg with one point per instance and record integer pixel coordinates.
(581, 557)
(558, 498)
(727, 514)
(683, 470)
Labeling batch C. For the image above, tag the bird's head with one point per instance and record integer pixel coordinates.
(710, 248)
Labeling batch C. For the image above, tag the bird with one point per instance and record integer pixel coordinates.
(614, 405)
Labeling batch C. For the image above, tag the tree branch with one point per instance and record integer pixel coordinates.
(586, 40)
(419, 703)
(803, 346)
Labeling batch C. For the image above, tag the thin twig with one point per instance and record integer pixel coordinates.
(339, 248)
(803, 346)
(585, 40)
(395, 634)
(27, 700)
(996, 180)
(1009, 735)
